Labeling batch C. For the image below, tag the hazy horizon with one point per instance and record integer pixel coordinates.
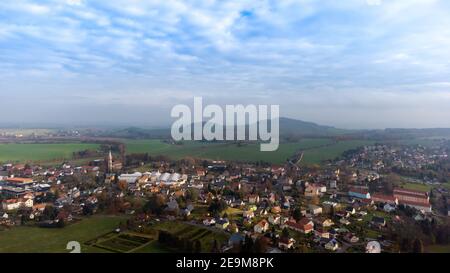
(358, 64)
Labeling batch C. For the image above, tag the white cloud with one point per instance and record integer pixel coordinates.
(313, 50)
(75, 2)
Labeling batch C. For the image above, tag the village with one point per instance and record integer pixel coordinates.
(351, 204)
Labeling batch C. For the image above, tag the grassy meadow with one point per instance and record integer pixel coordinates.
(54, 240)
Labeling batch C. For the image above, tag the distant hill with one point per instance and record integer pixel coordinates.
(289, 128)
(294, 127)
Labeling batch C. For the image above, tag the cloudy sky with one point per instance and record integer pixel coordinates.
(350, 64)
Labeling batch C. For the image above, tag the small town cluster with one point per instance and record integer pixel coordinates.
(387, 198)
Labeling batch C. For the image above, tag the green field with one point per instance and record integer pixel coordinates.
(316, 155)
(45, 240)
(16, 152)
(315, 150)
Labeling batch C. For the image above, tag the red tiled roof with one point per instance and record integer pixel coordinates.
(383, 197)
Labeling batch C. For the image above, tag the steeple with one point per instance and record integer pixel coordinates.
(110, 162)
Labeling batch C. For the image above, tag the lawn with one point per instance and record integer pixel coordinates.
(44, 240)
(316, 150)
(17, 152)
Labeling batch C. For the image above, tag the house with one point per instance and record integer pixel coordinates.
(200, 172)
(286, 243)
(275, 209)
(13, 204)
(360, 193)
(28, 203)
(311, 191)
(315, 210)
(332, 245)
(262, 226)
(322, 233)
(323, 222)
(305, 225)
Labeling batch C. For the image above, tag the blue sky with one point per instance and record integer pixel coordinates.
(351, 64)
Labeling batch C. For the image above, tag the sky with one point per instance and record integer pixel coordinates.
(349, 64)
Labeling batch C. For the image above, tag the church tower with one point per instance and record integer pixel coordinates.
(110, 162)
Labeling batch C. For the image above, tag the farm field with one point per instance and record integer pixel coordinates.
(315, 150)
(316, 155)
(46, 240)
(17, 152)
